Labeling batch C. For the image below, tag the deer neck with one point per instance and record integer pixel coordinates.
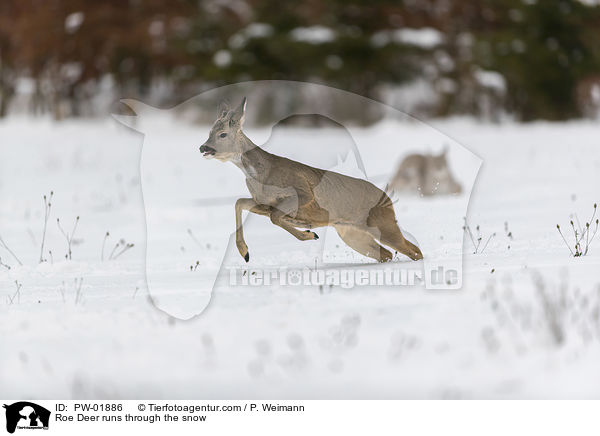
(252, 160)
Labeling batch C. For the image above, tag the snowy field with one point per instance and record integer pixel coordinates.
(525, 324)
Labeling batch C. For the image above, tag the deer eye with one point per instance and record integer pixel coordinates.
(222, 135)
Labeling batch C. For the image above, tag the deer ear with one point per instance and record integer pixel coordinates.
(223, 109)
(240, 113)
(242, 108)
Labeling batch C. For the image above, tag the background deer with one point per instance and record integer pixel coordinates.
(425, 174)
(295, 195)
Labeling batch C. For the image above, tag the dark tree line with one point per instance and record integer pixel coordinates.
(73, 51)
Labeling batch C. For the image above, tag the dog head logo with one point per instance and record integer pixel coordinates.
(26, 415)
(195, 195)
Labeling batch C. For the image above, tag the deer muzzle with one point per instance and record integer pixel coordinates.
(207, 150)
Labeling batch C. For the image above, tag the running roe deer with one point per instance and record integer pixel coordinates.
(295, 195)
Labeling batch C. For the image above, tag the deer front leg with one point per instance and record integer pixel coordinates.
(252, 206)
(279, 219)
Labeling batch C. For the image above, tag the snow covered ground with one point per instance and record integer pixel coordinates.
(526, 323)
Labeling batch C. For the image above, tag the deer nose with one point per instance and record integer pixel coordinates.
(202, 148)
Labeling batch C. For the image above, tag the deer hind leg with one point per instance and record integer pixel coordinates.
(398, 242)
(252, 206)
(362, 241)
(382, 225)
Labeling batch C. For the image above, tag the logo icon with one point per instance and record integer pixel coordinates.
(26, 415)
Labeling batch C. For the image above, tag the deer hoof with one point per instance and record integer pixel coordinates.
(247, 257)
(315, 236)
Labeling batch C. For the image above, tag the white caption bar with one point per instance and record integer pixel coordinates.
(300, 417)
